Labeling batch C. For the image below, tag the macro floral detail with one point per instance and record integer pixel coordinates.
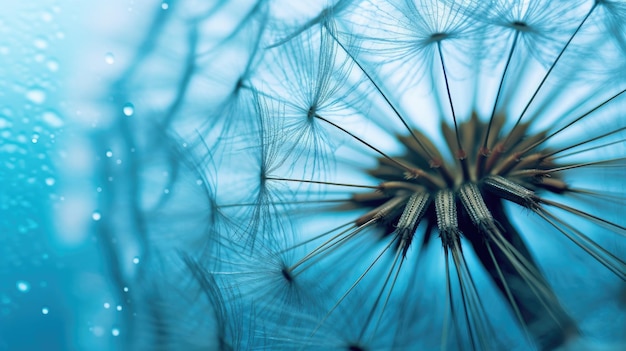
(395, 175)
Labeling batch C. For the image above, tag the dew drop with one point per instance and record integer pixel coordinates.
(53, 65)
(165, 6)
(45, 310)
(107, 305)
(109, 154)
(36, 95)
(128, 109)
(50, 181)
(46, 16)
(96, 216)
(109, 58)
(136, 260)
(97, 331)
(115, 332)
(22, 286)
(40, 43)
(52, 119)
(119, 307)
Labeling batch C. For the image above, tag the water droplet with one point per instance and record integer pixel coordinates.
(109, 153)
(115, 332)
(50, 181)
(136, 260)
(40, 43)
(96, 216)
(22, 286)
(53, 65)
(35, 138)
(107, 305)
(128, 109)
(125, 289)
(119, 307)
(46, 16)
(45, 310)
(165, 6)
(52, 119)
(97, 331)
(36, 95)
(4, 123)
(109, 58)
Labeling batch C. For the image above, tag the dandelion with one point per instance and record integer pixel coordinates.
(419, 174)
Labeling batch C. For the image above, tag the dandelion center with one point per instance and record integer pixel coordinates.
(418, 181)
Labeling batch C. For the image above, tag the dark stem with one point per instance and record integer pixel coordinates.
(546, 320)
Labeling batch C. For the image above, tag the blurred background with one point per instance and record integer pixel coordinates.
(58, 61)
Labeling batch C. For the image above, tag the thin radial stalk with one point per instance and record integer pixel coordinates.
(393, 284)
(462, 289)
(538, 172)
(574, 121)
(618, 267)
(301, 202)
(460, 153)
(382, 290)
(356, 282)
(319, 236)
(545, 77)
(391, 105)
(330, 243)
(322, 182)
(398, 163)
(445, 78)
(435, 182)
(537, 287)
(509, 294)
(495, 104)
(449, 306)
(601, 146)
(616, 228)
(477, 301)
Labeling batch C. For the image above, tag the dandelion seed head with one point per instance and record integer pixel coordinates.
(406, 174)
